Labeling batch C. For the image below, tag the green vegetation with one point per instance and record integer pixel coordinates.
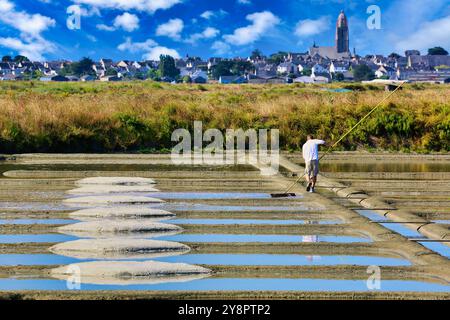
(141, 116)
(80, 68)
(17, 58)
(363, 73)
(437, 51)
(167, 67)
(230, 68)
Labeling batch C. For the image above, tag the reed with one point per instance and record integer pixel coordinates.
(138, 116)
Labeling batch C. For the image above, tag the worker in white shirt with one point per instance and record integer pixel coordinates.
(311, 155)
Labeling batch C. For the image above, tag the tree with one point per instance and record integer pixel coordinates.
(222, 68)
(394, 55)
(241, 67)
(37, 74)
(80, 68)
(256, 54)
(187, 79)
(437, 51)
(231, 68)
(154, 74)
(277, 58)
(20, 58)
(307, 72)
(7, 59)
(167, 66)
(363, 73)
(83, 67)
(111, 72)
(339, 76)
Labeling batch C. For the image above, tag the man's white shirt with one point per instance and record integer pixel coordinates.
(311, 150)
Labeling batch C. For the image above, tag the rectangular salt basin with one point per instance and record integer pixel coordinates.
(22, 238)
(199, 195)
(283, 260)
(222, 284)
(36, 259)
(372, 215)
(38, 221)
(438, 247)
(182, 206)
(397, 227)
(260, 238)
(34, 206)
(248, 221)
(401, 229)
(220, 259)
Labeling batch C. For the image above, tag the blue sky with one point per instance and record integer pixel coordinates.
(143, 29)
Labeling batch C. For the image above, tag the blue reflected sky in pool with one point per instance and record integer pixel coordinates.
(220, 259)
(259, 238)
(258, 284)
(248, 221)
(198, 195)
(26, 238)
(438, 247)
(185, 206)
(38, 221)
(372, 215)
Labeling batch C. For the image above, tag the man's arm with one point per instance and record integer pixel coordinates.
(317, 141)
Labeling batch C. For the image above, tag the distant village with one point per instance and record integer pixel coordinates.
(321, 64)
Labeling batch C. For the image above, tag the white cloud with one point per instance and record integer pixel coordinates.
(261, 23)
(220, 47)
(208, 33)
(91, 38)
(93, 11)
(6, 6)
(244, 1)
(171, 29)
(429, 34)
(155, 52)
(104, 27)
(309, 27)
(30, 24)
(33, 50)
(207, 14)
(128, 45)
(213, 14)
(31, 43)
(151, 48)
(128, 22)
(149, 6)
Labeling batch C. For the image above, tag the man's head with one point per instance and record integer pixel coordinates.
(309, 137)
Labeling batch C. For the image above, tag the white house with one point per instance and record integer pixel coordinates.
(318, 69)
(287, 67)
(385, 71)
(336, 67)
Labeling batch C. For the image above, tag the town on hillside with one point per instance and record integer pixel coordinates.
(320, 64)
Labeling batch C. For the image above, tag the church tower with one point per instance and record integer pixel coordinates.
(342, 38)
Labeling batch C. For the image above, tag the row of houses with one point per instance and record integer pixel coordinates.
(293, 67)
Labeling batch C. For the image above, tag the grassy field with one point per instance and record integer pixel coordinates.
(140, 116)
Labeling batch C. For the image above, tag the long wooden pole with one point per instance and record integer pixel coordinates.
(350, 131)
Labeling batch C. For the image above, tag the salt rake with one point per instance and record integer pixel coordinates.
(291, 194)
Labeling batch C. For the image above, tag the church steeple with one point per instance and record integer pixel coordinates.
(342, 37)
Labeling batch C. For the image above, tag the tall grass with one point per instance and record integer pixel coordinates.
(105, 117)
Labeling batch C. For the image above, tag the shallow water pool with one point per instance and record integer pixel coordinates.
(220, 259)
(222, 284)
(248, 221)
(260, 238)
(38, 221)
(26, 238)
